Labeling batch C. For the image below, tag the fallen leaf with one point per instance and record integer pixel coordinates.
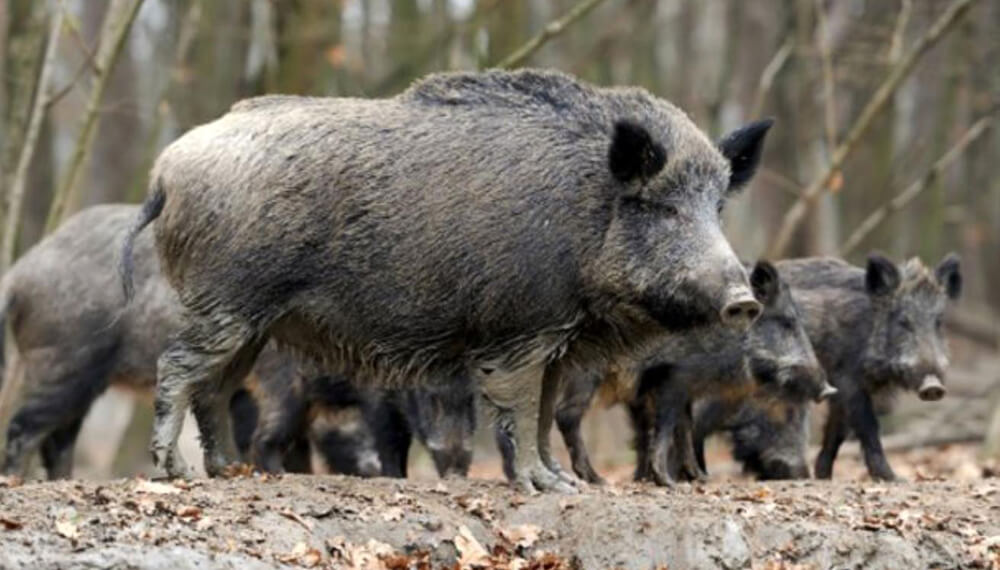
(10, 481)
(67, 529)
(522, 536)
(10, 524)
(156, 488)
(470, 552)
(188, 512)
(291, 515)
(303, 555)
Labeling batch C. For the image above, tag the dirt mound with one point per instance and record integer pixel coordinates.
(331, 521)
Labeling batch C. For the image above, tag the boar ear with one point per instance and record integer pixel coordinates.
(882, 276)
(949, 275)
(634, 153)
(743, 148)
(765, 283)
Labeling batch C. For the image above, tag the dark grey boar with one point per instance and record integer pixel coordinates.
(361, 431)
(774, 358)
(769, 435)
(74, 339)
(877, 330)
(477, 226)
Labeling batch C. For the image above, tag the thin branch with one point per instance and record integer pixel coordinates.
(902, 199)
(89, 58)
(899, 31)
(117, 23)
(829, 98)
(771, 71)
(797, 213)
(551, 30)
(783, 182)
(37, 116)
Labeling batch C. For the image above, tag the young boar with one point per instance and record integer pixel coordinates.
(774, 357)
(769, 435)
(876, 330)
(359, 431)
(477, 226)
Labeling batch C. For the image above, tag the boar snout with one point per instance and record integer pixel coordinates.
(931, 389)
(740, 309)
(369, 465)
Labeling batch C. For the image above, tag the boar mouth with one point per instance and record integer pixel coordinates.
(685, 309)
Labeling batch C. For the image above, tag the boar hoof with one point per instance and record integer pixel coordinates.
(540, 478)
(172, 464)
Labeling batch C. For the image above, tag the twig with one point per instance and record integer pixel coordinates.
(88, 54)
(900, 201)
(796, 214)
(551, 30)
(113, 34)
(829, 99)
(771, 70)
(899, 31)
(37, 116)
(781, 181)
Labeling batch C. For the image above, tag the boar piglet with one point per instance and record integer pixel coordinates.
(877, 330)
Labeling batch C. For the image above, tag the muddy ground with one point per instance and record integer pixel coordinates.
(252, 521)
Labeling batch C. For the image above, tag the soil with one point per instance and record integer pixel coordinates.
(252, 521)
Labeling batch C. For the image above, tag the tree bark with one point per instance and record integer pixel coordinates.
(41, 105)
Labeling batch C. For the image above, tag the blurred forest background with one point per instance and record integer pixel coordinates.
(886, 134)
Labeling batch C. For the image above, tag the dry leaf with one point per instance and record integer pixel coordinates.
(288, 514)
(303, 555)
(10, 481)
(67, 529)
(522, 536)
(470, 552)
(188, 512)
(10, 524)
(156, 488)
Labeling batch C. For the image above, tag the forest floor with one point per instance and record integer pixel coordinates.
(946, 516)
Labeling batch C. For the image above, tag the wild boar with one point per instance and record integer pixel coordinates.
(477, 226)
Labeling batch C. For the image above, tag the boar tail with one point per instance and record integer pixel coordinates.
(151, 209)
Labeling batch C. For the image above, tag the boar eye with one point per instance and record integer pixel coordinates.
(939, 323)
(669, 210)
(905, 323)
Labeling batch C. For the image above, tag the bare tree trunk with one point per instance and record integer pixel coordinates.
(115, 29)
(797, 213)
(24, 46)
(16, 196)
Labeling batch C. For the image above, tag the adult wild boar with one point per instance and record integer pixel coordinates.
(73, 338)
(478, 225)
(876, 330)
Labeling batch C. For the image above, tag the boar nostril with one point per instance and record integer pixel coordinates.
(741, 314)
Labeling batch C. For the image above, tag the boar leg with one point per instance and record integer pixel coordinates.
(210, 405)
(189, 367)
(568, 419)
(834, 434)
(62, 394)
(517, 396)
(642, 427)
(688, 461)
(282, 417)
(546, 417)
(861, 415)
(505, 443)
(57, 450)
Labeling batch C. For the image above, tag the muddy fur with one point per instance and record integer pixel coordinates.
(877, 330)
(477, 225)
